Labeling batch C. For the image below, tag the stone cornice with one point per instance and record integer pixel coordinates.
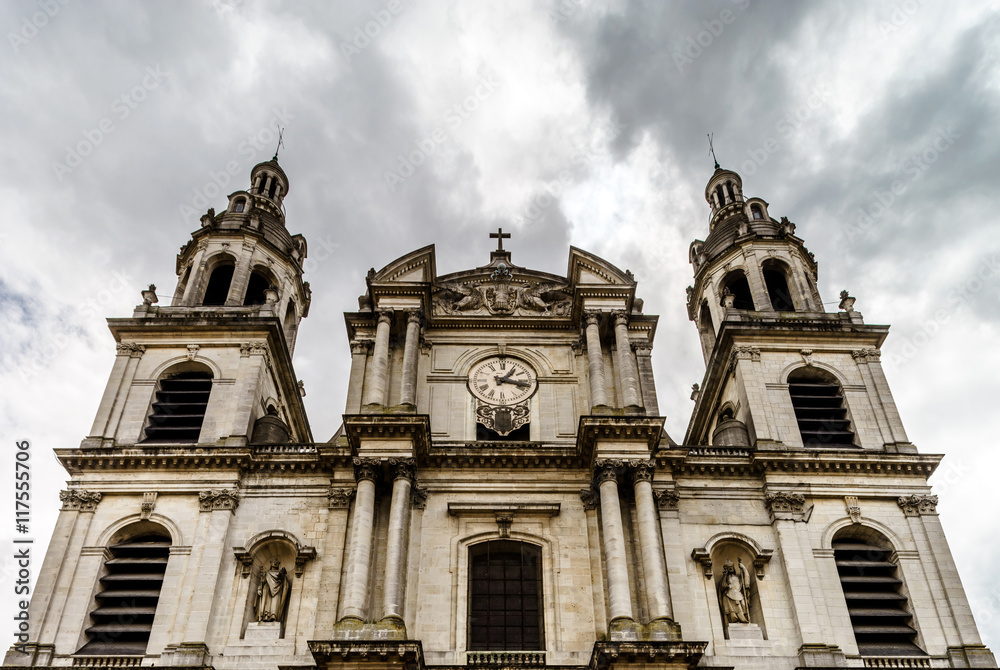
(738, 462)
(415, 428)
(378, 654)
(641, 429)
(678, 654)
(278, 457)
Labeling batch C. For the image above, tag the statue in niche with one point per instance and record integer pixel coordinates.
(734, 592)
(272, 593)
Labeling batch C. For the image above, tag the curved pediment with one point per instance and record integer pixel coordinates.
(587, 268)
(415, 267)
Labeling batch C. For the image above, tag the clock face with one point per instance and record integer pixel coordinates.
(501, 380)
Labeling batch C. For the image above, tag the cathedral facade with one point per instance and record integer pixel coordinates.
(502, 492)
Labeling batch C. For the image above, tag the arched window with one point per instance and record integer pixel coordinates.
(756, 212)
(272, 188)
(777, 288)
(129, 592)
(255, 289)
(239, 204)
(505, 597)
(738, 285)
(179, 408)
(729, 191)
(819, 409)
(218, 284)
(721, 195)
(874, 592)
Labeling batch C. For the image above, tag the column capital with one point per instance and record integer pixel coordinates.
(80, 500)
(592, 318)
(666, 498)
(642, 348)
(786, 506)
(366, 468)
(402, 468)
(383, 315)
(414, 316)
(339, 498)
(130, 349)
(589, 498)
(642, 470)
(867, 355)
(620, 316)
(216, 499)
(361, 346)
(916, 505)
(606, 470)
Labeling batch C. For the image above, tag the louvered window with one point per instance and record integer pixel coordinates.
(126, 602)
(179, 408)
(882, 623)
(505, 597)
(820, 412)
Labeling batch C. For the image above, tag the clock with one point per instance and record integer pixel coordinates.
(502, 381)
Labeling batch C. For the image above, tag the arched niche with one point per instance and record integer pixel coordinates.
(747, 558)
(258, 558)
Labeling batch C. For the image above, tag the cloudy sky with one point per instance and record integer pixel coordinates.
(873, 127)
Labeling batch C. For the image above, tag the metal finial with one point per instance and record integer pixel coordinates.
(281, 131)
(711, 150)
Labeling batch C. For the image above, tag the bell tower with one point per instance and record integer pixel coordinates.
(782, 372)
(215, 366)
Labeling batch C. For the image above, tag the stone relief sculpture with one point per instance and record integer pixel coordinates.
(501, 295)
(734, 592)
(272, 593)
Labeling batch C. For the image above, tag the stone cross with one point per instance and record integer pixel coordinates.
(499, 236)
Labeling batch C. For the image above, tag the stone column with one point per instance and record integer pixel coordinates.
(396, 542)
(113, 401)
(241, 276)
(196, 280)
(595, 361)
(644, 361)
(360, 548)
(626, 367)
(220, 505)
(411, 353)
(356, 381)
(653, 567)
(619, 592)
(379, 381)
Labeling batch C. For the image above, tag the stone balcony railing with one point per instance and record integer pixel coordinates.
(107, 661)
(505, 659)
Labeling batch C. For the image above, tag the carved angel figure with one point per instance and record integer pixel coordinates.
(734, 592)
(272, 594)
(542, 297)
(458, 298)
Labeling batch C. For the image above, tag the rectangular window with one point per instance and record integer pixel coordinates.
(505, 597)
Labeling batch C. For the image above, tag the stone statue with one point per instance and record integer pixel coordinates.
(734, 592)
(272, 593)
